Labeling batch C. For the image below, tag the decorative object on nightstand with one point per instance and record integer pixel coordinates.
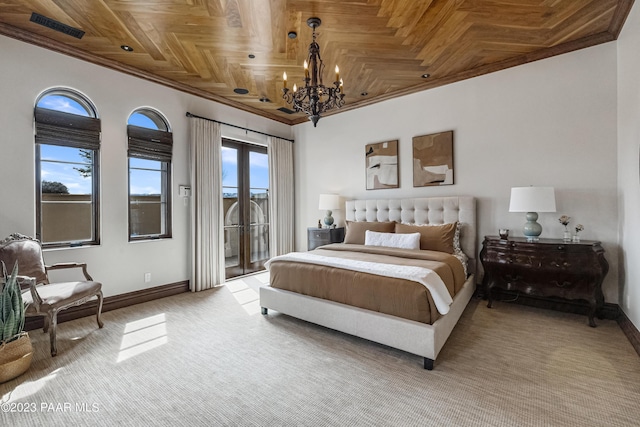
(324, 236)
(564, 220)
(548, 270)
(504, 233)
(532, 200)
(579, 228)
(319, 224)
(329, 202)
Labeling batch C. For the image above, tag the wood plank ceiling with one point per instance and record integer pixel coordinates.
(383, 47)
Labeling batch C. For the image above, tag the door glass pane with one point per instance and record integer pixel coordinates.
(229, 167)
(231, 226)
(259, 242)
(259, 205)
(231, 246)
(230, 206)
(259, 171)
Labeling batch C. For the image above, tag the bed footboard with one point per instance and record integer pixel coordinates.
(407, 335)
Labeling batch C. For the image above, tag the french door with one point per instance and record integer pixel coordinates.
(245, 194)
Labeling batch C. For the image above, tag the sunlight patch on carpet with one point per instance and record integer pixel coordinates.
(28, 388)
(245, 295)
(143, 335)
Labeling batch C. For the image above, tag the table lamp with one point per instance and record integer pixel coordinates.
(532, 200)
(329, 202)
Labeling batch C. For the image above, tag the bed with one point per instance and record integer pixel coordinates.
(298, 283)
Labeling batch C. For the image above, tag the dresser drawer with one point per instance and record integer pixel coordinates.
(319, 234)
(323, 236)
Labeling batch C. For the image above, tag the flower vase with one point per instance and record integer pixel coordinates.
(566, 236)
(576, 239)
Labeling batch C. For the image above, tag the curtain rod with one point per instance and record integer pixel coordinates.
(238, 127)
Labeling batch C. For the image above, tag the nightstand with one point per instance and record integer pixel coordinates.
(545, 268)
(323, 236)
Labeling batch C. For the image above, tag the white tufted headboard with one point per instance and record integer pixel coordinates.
(426, 210)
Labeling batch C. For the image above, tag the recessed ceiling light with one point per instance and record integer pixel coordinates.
(241, 91)
(425, 75)
(364, 94)
(292, 34)
(265, 99)
(126, 48)
(251, 55)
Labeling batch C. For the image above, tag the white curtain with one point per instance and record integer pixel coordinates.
(281, 197)
(207, 234)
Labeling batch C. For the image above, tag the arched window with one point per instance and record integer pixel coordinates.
(150, 149)
(67, 169)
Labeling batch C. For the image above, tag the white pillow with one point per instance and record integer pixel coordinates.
(393, 240)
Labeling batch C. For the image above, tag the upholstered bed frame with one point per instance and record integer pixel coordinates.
(407, 335)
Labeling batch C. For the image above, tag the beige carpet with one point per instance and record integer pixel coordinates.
(211, 359)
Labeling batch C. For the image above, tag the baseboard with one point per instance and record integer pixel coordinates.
(112, 303)
(630, 330)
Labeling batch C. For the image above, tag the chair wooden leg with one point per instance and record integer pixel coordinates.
(45, 328)
(53, 324)
(99, 314)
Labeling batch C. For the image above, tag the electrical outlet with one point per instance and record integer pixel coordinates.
(147, 277)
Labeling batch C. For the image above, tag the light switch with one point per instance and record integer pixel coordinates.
(184, 191)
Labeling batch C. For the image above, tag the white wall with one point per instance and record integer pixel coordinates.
(26, 71)
(548, 123)
(628, 155)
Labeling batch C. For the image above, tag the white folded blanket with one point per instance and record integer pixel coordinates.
(426, 277)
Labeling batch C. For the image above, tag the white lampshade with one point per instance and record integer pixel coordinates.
(329, 202)
(532, 199)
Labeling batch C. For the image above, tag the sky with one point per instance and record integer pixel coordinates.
(66, 161)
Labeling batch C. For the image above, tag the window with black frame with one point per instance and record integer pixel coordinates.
(67, 137)
(150, 151)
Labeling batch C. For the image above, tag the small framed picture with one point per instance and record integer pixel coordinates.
(433, 159)
(382, 165)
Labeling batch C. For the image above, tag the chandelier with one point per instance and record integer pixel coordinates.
(314, 98)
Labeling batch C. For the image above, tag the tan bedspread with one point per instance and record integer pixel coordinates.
(397, 297)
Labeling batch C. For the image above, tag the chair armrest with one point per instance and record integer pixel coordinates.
(35, 296)
(63, 265)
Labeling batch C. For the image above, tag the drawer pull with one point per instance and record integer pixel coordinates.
(564, 284)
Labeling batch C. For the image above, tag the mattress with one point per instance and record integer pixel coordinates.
(389, 295)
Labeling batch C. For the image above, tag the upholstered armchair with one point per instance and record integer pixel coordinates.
(41, 297)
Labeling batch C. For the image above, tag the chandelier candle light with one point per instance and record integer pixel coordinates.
(314, 98)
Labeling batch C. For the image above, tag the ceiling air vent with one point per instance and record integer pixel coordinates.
(286, 110)
(55, 25)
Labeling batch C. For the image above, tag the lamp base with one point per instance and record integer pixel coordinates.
(532, 230)
(328, 219)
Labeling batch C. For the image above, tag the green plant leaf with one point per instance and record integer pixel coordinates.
(11, 305)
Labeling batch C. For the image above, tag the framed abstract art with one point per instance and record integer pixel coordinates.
(433, 159)
(382, 165)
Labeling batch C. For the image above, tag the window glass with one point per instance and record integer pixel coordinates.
(67, 164)
(66, 104)
(148, 119)
(149, 176)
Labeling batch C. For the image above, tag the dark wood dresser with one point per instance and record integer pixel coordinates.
(323, 236)
(545, 268)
